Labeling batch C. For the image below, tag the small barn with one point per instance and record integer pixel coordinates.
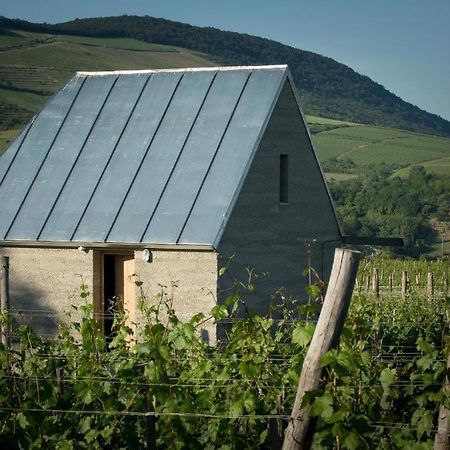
(164, 175)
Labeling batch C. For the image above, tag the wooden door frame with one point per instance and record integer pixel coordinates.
(99, 283)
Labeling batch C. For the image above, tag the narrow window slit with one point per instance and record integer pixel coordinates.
(284, 179)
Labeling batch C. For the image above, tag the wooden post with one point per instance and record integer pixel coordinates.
(326, 336)
(404, 284)
(150, 422)
(375, 283)
(4, 296)
(276, 429)
(390, 283)
(441, 439)
(430, 286)
(367, 278)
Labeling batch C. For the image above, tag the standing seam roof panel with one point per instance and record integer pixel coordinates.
(60, 159)
(224, 180)
(33, 152)
(94, 156)
(196, 157)
(8, 157)
(161, 158)
(114, 184)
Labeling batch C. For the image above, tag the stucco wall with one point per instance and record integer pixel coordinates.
(271, 237)
(188, 278)
(44, 283)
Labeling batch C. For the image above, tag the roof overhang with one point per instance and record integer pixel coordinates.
(106, 245)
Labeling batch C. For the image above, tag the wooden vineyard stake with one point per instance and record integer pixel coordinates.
(326, 336)
(391, 282)
(376, 283)
(441, 439)
(404, 284)
(430, 286)
(4, 296)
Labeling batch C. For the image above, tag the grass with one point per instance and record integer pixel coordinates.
(334, 176)
(6, 137)
(33, 66)
(366, 144)
(119, 43)
(439, 166)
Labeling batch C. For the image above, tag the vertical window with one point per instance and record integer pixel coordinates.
(284, 179)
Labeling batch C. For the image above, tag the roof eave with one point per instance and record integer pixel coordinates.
(105, 245)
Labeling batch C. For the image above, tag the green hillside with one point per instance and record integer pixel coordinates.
(34, 65)
(339, 143)
(326, 87)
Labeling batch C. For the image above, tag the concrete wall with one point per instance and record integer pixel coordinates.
(44, 283)
(272, 237)
(188, 278)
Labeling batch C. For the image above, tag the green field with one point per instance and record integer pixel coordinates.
(366, 144)
(6, 137)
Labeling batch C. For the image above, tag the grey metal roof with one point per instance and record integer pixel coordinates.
(154, 157)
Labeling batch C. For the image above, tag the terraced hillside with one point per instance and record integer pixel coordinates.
(34, 65)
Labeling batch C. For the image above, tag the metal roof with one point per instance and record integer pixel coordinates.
(153, 157)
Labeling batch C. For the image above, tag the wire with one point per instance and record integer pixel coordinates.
(150, 414)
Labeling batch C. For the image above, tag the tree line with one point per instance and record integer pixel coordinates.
(379, 204)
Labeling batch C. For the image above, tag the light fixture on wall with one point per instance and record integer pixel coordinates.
(83, 249)
(147, 255)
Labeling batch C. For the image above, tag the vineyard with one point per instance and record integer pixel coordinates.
(166, 388)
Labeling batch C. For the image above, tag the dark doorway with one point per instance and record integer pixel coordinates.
(118, 289)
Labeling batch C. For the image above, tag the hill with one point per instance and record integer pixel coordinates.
(34, 65)
(347, 148)
(326, 88)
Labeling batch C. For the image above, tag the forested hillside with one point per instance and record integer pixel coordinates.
(326, 88)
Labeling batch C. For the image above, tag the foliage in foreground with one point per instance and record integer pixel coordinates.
(382, 389)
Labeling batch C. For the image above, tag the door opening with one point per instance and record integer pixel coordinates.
(118, 290)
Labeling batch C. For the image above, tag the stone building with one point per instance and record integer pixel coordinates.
(164, 175)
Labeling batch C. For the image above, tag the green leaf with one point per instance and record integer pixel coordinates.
(263, 436)
(249, 369)
(303, 334)
(323, 406)
(351, 441)
(85, 424)
(387, 377)
(237, 408)
(23, 421)
(250, 403)
(219, 312)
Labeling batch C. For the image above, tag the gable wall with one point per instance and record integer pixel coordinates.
(271, 237)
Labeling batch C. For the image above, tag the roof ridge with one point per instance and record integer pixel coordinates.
(186, 69)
